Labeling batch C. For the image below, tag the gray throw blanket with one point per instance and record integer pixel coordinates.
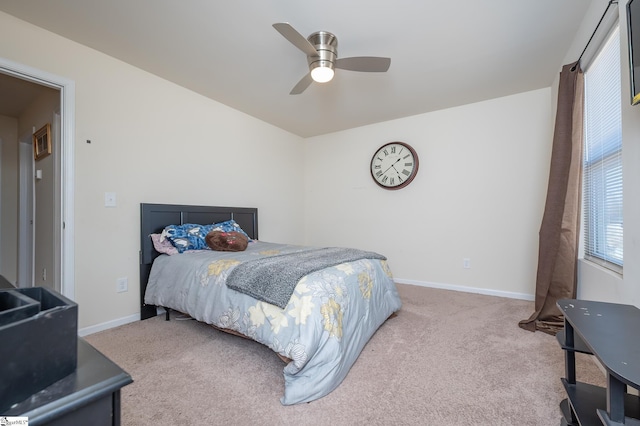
(272, 279)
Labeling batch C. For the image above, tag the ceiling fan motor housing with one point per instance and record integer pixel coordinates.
(327, 46)
(321, 49)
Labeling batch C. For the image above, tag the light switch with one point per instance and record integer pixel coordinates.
(109, 199)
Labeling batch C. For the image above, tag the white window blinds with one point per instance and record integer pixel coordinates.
(602, 173)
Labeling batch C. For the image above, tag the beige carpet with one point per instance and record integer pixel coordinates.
(449, 358)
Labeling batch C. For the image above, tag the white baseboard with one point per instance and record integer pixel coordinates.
(113, 323)
(489, 292)
(107, 325)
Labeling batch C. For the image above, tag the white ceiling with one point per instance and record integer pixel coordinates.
(443, 53)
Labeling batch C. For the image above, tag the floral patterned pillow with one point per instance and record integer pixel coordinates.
(192, 236)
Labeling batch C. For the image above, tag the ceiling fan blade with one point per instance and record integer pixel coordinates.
(302, 85)
(364, 63)
(297, 39)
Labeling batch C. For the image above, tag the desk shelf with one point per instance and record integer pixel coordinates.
(587, 399)
(578, 344)
(610, 333)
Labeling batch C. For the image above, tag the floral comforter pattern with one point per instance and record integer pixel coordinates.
(330, 317)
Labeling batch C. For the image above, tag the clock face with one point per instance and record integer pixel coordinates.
(394, 165)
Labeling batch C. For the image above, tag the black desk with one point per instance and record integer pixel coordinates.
(611, 332)
(89, 396)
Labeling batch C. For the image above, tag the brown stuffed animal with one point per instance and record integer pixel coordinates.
(226, 241)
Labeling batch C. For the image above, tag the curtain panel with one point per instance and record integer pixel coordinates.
(559, 233)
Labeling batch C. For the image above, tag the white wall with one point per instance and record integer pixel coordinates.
(8, 198)
(152, 141)
(479, 194)
(595, 283)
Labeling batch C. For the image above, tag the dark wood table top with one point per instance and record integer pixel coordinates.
(612, 333)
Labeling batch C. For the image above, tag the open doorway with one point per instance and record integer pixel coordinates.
(36, 194)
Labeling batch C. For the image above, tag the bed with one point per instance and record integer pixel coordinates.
(319, 331)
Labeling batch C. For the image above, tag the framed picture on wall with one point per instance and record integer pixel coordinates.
(42, 142)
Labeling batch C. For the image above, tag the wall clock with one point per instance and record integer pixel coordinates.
(394, 165)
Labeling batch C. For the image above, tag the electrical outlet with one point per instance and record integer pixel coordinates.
(110, 199)
(122, 285)
(466, 263)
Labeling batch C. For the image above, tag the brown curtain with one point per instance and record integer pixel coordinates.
(558, 240)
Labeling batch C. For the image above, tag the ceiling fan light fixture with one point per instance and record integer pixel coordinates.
(322, 74)
(321, 49)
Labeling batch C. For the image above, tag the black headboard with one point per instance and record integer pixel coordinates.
(154, 218)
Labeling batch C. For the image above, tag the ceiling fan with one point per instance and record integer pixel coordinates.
(321, 49)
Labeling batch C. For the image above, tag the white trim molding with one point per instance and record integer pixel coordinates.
(486, 291)
(114, 323)
(108, 325)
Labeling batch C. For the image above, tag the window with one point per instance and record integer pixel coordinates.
(602, 168)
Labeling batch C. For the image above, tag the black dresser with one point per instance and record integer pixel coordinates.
(88, 396)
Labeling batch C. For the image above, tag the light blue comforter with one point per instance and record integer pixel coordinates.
(332, 313)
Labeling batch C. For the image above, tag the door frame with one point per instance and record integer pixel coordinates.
(65, 192)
